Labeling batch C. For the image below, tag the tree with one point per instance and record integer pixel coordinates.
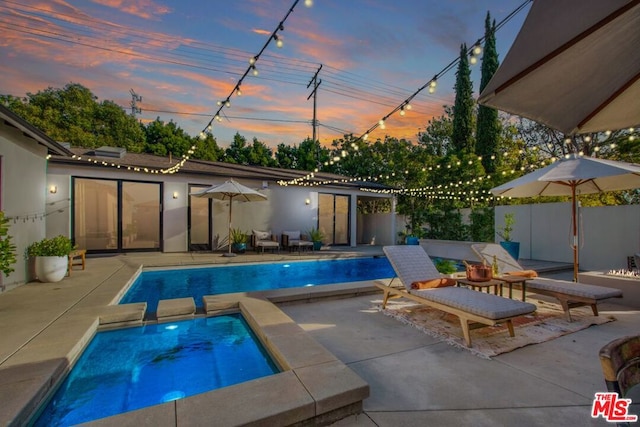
(166, 138)
(260, 155)
(238, 151)
(462, 134)
(488, 125)
(73, 114)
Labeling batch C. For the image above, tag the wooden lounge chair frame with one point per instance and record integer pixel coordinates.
(568, 294)
(445, 299)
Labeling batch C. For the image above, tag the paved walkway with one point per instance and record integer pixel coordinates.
(415, 379)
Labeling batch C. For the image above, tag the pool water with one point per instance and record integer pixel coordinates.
(127, 369)
(152, 286)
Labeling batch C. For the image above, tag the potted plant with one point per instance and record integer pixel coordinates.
(7, 249)
(510, 246)
(316, 237)
(238, 240)
(51, 257)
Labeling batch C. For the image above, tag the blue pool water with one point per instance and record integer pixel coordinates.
(127, 369)
(152, 286)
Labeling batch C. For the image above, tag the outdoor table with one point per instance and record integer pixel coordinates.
(510, 280)
(488, 284)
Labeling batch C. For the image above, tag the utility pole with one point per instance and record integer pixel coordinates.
(314, 93)
(135, 98)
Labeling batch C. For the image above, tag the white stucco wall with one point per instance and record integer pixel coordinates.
(285, 209)
(23, 194)
(606, 234)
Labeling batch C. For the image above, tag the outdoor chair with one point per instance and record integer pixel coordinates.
(294, 240)
(620, 360)
(264, 240)
(423, 283)
(569, 294)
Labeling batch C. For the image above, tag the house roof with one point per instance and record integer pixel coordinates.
(29, 130)
(209, 168)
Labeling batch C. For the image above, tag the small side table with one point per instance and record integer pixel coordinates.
(511, 280)
(488, 284)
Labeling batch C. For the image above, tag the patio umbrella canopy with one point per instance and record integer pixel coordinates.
(230, 190)
(570, 177)
(574, 66)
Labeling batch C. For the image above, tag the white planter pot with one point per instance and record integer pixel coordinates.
(51, 268)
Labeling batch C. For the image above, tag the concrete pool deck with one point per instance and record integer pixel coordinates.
(413, 379)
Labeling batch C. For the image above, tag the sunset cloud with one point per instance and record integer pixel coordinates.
(185, 57)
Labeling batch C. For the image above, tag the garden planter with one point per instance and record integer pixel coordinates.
(412, 240)
(51, 268)
(317, 246)
(513, 248)
(239, 248)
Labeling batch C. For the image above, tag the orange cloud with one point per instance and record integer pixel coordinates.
(146, 9)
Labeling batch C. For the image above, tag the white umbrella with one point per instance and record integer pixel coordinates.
(230, 190)
(572, 176)
(574, 66)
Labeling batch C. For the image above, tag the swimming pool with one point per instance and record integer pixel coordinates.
(127, 369)
(152, 286)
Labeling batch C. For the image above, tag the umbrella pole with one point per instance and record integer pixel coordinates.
(575, 233)
(229, 238)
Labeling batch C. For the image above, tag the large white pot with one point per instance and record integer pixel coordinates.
(51, 268)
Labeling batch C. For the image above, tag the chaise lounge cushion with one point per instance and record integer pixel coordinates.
(441, 282)
(575, 289)
(481, 304)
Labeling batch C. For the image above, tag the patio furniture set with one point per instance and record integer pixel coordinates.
(421, 282)
(290, 240)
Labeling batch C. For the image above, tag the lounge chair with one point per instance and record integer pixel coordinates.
(424, 284)
(569, 294)
(293, 240)
(264, 240)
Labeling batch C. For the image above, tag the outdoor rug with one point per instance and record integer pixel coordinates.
(547, 323)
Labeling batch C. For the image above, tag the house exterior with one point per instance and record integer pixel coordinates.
(111, 201)
(23, 184)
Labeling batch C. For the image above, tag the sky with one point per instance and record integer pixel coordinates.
(182, 57)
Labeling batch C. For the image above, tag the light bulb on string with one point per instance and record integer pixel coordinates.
(473, 60)
(252, 60)
(279, 42)
(254, 70)
(477, 48)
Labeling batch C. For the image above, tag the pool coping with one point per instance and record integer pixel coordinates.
(313, 388)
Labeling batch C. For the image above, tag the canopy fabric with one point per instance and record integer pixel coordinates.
(230, 190)
(587, 174)
(570, 177)
(574, 66)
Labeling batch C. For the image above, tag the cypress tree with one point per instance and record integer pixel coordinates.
(462, 135)
(488, 127)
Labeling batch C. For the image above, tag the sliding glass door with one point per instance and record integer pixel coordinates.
(116, 215)
(333, 218)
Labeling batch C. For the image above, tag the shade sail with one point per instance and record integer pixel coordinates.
(574, 66)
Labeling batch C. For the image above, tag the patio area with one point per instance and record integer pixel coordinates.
(414, 379)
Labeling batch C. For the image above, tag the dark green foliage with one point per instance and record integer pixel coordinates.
(462, 133)
(446, 224)
(7, 248)
(488, 126)
(482, 228)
